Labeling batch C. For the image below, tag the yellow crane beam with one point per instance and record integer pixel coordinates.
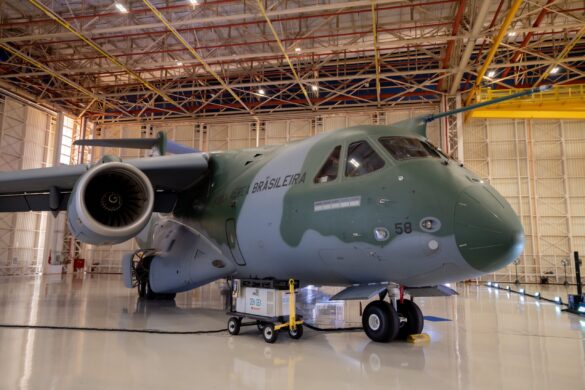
(50, 13)
(283, 50)
(561, 102)
(495, 44)
(195, 55)
(62, 78)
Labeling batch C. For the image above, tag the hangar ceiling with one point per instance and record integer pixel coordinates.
(132, 60)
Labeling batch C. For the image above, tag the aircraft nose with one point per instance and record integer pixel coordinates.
(488, 233)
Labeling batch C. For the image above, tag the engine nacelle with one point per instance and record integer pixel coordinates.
(111, 203)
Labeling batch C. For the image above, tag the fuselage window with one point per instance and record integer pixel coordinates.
(402, 148)
(328, 171)
(361, 159)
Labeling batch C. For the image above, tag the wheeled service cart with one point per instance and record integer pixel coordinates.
(270, 302)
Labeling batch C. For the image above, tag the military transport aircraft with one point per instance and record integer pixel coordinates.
(375, 208)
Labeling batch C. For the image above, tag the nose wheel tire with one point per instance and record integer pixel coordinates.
(380, 321)
(234, 324)
(414, 323)
(270, 335)
(296, 333)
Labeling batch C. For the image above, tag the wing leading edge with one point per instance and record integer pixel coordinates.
(48, 189)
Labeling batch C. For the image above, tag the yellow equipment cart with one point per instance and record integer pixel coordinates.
(270, 302)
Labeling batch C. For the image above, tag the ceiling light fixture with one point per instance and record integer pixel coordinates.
(555, 70)
(262, 92)
(512, 34)
(194, 2)
(179, 63)
(297, 49)
(314, 88)
(121, 8)
(491, 74)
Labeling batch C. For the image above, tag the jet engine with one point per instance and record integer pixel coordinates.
(111, 203)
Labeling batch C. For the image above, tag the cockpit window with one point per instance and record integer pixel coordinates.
(328, 171)
(402, 148)
(361, 159)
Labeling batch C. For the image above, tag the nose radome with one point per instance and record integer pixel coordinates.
(488, 232)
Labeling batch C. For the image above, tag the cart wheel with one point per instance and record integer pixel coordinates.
(270, 335)
(234, 326)
(261, 325)
(296, 333)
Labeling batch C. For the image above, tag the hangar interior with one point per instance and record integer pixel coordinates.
(227, 74)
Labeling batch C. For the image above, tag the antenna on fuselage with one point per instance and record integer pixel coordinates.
(432, 117)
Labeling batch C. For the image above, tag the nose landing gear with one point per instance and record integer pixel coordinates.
(380, 321)
(383, 322)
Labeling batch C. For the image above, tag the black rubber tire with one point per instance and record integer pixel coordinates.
(166, 296)
(380, 321)
(144, 290)
(233, 326)
(270, 335)
(141, 289)
(415, 321)
(142, 269)
(297, 333)
(149, 294)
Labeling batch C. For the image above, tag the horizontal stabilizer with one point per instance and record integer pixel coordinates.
(129, 143)
(160, 142)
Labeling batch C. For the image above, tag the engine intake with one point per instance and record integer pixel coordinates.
(110, 204)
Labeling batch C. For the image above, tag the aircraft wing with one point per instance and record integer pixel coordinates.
(48, 189)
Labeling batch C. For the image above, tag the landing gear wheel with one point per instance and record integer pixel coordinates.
(270, 335)
(296, 333)
(144, 289)
(414, 319)
(233, 327)
(141, 289)
(380, 321)
(148, 293)
(261, 325)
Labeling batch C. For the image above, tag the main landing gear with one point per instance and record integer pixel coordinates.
(140, 271)
(383, 322)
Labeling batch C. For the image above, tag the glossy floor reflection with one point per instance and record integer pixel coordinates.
(494, 340)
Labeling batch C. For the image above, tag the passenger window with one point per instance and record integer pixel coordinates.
(402, 148)
(328, 171)
(361, 159)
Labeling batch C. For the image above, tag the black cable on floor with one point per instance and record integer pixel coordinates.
(155, 331)
(313, 327)
(125, 330)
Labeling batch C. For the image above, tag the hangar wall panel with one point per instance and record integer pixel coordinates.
(539, 166)
(26, 141)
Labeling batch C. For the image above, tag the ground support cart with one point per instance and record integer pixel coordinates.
(271, 303)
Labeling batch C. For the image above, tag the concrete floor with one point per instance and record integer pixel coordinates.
(494, 340)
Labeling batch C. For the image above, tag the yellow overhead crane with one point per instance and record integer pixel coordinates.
(560, 102)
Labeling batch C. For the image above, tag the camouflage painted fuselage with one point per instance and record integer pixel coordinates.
(262, 215)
